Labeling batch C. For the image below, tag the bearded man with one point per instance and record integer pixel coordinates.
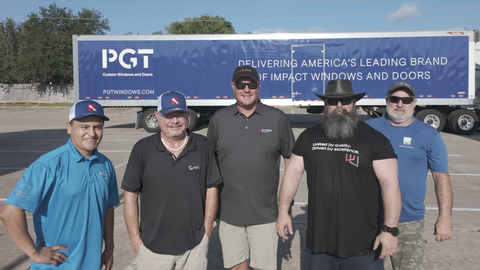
(351, 169)
(419, 148)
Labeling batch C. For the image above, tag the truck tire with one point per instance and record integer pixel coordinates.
(149, 121)
(432, 117)
(192, 119)
(463, 122)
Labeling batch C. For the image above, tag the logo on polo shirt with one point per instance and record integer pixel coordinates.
(193, 167)
(23, 190)
(264, 130)
(105, 176)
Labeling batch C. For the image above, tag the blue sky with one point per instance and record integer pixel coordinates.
(271, 16)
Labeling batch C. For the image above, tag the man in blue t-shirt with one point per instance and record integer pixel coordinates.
(419, 148)
(71, 192)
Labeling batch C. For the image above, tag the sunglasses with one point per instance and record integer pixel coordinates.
(405, 100)
(241, 85)
(334, 101)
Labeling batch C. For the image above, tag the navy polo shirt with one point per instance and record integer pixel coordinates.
(172, 191)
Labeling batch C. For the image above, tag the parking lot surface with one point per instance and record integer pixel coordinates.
(28, 132)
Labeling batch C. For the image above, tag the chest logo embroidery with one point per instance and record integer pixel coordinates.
(264, 130)
(104, 175)
(193, 167)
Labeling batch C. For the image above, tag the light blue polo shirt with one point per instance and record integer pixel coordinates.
(68, 195)
(419, 147)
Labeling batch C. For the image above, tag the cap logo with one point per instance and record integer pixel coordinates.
(175, 101)
(92, 108)
(241, 70)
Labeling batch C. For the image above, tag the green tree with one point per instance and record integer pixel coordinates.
(206, 24)
(9, 43)
(476, 35)
(45, 52)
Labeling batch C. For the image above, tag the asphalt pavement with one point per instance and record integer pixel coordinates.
(30, 131)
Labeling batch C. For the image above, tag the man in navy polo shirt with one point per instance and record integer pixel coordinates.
(71, 192)
(174, 174)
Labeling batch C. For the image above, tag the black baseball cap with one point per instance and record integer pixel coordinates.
(402, 85)
(245, 71)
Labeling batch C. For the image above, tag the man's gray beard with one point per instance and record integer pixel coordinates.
(339, 126)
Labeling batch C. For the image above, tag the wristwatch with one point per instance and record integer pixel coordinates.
(394, 231)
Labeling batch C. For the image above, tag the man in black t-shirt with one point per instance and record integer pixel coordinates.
(351, 168)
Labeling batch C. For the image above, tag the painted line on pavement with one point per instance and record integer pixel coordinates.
(427, 208)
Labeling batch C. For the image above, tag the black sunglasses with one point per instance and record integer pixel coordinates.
(241, 85)
(405, 100)
(334, 101)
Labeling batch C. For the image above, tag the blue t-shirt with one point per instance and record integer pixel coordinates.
(419, 147)
(68, 195)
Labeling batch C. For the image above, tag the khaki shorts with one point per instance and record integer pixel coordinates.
(411, 245)
(194, 259)
(256, 242)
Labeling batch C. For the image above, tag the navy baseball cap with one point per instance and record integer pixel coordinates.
(172, 101)
(86, 108)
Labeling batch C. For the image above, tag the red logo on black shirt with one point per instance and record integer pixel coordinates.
(352, 159)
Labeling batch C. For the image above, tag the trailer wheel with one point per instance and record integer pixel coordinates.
(192, 119)
(463, 122)
(432, 117)
(149, 121)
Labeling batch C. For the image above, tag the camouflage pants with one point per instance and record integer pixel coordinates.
(411, 245)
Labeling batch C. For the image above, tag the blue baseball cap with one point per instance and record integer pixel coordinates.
(86, 108)
(172, 101)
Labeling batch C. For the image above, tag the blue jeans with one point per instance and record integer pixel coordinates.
(323, 261)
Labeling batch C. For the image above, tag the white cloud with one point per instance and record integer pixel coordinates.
(404, 12)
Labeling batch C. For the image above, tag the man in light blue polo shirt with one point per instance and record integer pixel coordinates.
(71, 192)
(419, 148)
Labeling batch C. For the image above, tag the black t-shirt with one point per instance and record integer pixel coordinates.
(172, 191)
(344, 196)
(249, 151)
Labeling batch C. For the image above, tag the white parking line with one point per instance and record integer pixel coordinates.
(427, 208)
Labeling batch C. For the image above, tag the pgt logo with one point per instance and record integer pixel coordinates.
(110, 56)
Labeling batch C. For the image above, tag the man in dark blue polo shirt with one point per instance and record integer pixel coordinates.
(250, 138)
(175, 173)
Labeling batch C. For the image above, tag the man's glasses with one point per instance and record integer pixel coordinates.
(334, 101)
(241, 85)
(405, 100)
